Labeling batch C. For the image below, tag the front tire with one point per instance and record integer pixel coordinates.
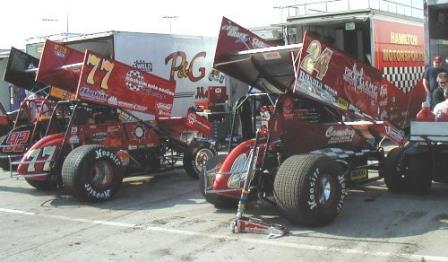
(310, 189)
(196, 156)
(92, 173)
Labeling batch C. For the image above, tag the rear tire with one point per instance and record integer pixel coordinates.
(419, 169)
(218, 201)
(197, 155)
(310, 189)
(393, 171)
(92, 173)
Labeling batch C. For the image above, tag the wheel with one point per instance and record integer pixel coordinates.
(92, 173)
(394, 172)
(4, 161)
(196, 156)
(419, 175)
(43, 185)
(218, 201)
(310, 189)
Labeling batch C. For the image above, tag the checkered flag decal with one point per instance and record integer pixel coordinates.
(404, 78)
(136, 78)
(340, 153)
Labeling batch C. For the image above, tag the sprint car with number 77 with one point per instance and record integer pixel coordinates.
(102, 138)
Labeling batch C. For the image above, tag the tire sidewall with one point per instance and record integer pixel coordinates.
(193, 170)
(310, 193)
(83, 182)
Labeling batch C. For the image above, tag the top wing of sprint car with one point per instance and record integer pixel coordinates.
(315, 70)
(94, 78)
(21, 71)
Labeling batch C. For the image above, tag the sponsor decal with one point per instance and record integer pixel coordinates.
(112, 100)
(135, 80)
(60, 51)
(356, 80)
(339, 135)
(99, 96)
(192, 120)
(99, 136)
(394, 133)
(139, 132)
(271, 56)
(142, 65)
(124, 157)
(216, 76)
(164, 108)
(359, 174)
(132, 106)
(74, 139)
(111, 129)
(185, 69)
(241, 37)
(315, 88)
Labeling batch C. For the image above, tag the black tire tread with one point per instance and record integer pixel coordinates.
(394, 182)
(70, 168)
(292, 177)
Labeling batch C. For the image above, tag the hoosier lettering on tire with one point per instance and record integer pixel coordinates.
(310, 189)
(92, 173)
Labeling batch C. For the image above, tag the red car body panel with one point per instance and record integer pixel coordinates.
(38, 158)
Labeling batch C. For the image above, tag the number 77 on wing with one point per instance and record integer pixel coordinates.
(110, 82)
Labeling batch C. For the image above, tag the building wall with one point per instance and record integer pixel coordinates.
(4, 86)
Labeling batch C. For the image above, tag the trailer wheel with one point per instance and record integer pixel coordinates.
(42, 185)
(218, 201)
(419, 168)
(310, 189)
(197, 155)
(92, 173)
(393, 171)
